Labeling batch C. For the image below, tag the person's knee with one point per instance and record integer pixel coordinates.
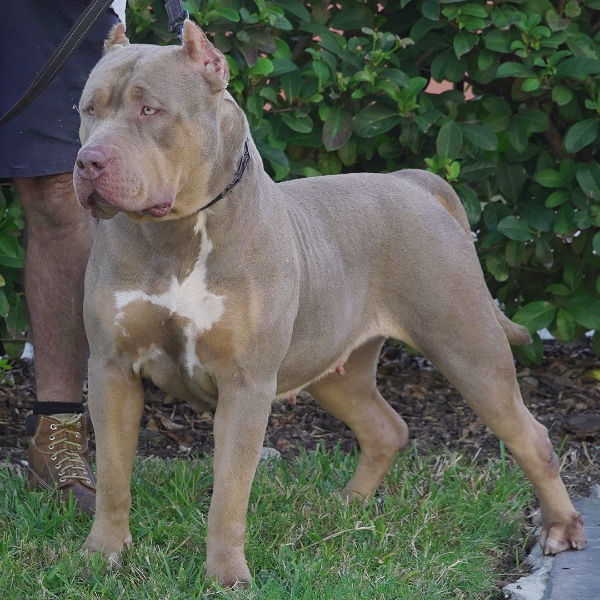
(49, 202)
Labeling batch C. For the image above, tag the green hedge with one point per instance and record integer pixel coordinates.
(340, 87)
(13, 313)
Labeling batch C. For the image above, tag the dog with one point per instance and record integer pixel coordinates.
(228, 290)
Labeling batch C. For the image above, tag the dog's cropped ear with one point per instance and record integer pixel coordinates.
(213, 65)
(116, 38)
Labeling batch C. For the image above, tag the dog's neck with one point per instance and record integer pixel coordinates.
(225, 222)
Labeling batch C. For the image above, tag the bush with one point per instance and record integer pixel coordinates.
(342, 87)
(13, 317)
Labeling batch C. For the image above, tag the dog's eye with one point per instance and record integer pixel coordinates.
(148, 110)
(90, 110)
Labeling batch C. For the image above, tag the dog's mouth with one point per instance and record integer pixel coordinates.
(160, 210)
(99, 208)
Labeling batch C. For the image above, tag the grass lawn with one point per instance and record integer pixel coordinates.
(435, 531)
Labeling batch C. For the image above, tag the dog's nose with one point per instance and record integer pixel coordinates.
(91, 162)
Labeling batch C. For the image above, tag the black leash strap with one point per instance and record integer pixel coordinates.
(176, 15)
(95, 9)
(73, 39)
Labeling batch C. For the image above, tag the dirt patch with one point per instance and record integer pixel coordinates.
(563, 394)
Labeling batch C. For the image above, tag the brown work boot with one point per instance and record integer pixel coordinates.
(59, 459)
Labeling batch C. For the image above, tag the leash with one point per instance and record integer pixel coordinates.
(95, 9)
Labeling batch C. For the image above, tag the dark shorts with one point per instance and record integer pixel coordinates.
(44, 138)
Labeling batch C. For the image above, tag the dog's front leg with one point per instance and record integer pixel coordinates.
(239, 429)
(115, 401)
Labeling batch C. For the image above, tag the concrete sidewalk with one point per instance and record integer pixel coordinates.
(568, 575)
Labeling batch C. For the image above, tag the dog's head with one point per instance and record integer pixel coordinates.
(154, 123)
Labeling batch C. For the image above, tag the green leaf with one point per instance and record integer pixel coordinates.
(534, 352)
(337, 129)
(538, 216)
(581, 134)
(514, 253)
(578, 67)
(505, 15)
(596, 243)
(557, 198)
(354, 17)
(533, 120)
(572, 9)
(561, 95)
(262, 66)
(281, 66)
(543, 252)
(328, 163)
(292, 84)
(531, 84)
(496, 265)
(426, 119)
(511, 179)
(558, 289)
(535, 315)
(556, 22)
(585, 310)
(549, 178)
(463, 42)
(480, 136)
(565, 325)
(596, 343)
(9, 245)
(485, 59)
(517, 136)
(300, 123)
(374, 120)
(295, 8)
(515, 229)
(431, 9)
(514, 69)
(447, 67)
(588, 178)
(564, 223)
(470, 201)
(276, 158)
(4, 304)
(223, 12)
(347, 153)
(498, 41)
(571, 276)
(449, 140)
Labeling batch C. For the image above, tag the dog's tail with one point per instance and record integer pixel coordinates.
(443, 192)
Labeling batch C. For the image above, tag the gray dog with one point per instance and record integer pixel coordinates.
(273, 289)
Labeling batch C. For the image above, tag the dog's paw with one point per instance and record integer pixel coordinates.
(110, 545)
(229, 569)
(558, 537)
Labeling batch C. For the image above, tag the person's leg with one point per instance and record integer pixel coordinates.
(59, 237)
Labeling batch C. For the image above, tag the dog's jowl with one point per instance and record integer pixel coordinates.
(272, 289)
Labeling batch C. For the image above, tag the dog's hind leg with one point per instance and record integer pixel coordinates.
(472, 351)
(354, 399)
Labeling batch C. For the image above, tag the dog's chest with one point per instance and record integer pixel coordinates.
(159, 325)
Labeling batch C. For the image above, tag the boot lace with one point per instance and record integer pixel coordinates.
(71, 464)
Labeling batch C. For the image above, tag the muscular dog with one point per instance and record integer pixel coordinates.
(269, 290)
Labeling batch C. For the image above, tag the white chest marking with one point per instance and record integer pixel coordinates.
(189, 299)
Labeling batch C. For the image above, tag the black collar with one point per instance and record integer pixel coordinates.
(237, 176)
